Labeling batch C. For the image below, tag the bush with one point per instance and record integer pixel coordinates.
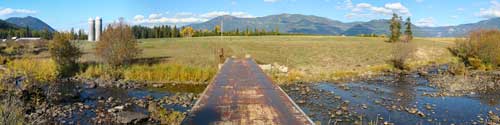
(401, 53)
(65, 54)
(4, 59)
(117, 45)
(457, 68)
(479, 50)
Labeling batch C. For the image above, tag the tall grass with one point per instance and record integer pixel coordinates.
(162, 73)
(40, 70)
(167, 72)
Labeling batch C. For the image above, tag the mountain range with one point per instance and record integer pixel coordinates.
(296, 23)
(310, 24)
(31, 22)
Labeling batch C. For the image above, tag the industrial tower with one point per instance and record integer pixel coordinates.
(95, 29)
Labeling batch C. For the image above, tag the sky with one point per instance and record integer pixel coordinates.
(67, 14)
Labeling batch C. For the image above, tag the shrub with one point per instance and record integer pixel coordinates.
(165, 116)
(36, 70)
(480, 49)
(4, 59)
(401, 53)
(65, 54)
(117, 45)
(457, 68)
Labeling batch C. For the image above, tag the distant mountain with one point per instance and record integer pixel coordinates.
(6, 25)
(289, 23)
(32, 22)
(309, 24)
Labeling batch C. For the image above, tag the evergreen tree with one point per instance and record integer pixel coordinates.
(256, 32)
(247, 32)
(408, 31)
(28, 32)
(395, 28)
(276, 30)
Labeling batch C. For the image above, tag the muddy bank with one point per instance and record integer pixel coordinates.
(400, 99)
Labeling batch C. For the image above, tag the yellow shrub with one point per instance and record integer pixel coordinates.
(40, 70)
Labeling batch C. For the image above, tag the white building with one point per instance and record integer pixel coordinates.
(28, 39)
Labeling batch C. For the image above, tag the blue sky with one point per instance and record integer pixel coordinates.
(65, 14)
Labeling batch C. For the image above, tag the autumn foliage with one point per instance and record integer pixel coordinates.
(118, 45)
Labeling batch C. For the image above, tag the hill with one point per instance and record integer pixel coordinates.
(32, 22)
(6, 25)
(309, 24)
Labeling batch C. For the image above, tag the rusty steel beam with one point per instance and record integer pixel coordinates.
(242, 94)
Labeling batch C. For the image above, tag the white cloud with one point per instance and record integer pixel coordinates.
(183, 18)
(155, 16)
(492, 11)
(367, 10)
(429, 21)
(184, 14)
(346, 4)
(271, 1)
(398, 8)
(138, 17)
(10, 11)
(454, 17)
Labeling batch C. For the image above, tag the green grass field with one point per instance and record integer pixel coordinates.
(306, 54)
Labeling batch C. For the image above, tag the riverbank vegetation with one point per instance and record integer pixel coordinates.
(480, 50)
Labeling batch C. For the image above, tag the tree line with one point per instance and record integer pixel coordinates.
(167, 31)
(25, 32)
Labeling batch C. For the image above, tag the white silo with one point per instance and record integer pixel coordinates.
(98, 28)
(91, 29)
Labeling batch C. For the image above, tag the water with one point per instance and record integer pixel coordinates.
(90, 97)
(381, 96)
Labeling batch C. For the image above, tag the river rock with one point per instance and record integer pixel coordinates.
(126, 117)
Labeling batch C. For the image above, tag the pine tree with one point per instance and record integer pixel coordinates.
(408, 31)
(28, 32)
(277, 30)
(247, 32)
(395, 28)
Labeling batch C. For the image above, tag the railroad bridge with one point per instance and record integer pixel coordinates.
(241, 93)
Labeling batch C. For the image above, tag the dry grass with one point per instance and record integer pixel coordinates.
(313, 56)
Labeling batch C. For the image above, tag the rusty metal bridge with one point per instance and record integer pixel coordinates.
(242, 94)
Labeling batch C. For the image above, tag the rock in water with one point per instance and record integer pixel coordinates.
(127, 117)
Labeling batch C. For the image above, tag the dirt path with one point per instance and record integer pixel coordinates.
(241, 93)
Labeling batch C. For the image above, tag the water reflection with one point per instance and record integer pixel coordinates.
(391, 97)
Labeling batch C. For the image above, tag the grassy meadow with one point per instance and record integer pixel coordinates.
(311, 58)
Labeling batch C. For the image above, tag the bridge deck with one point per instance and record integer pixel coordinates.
(241, 93)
